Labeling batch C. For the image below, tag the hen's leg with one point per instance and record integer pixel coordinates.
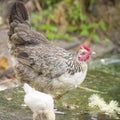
(34, 116)
(40, 116)
(60, 95)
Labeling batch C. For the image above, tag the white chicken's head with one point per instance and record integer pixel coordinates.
(84, 53)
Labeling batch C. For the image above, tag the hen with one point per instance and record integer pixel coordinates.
(40, 62)
(39, 103)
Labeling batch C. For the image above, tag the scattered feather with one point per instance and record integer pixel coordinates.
(23, 105)
(112, 109)
(9, 99)
(2, 88)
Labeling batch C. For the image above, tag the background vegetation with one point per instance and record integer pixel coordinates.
(65, 18)
(94, 20)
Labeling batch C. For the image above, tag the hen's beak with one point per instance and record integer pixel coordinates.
(93, 53)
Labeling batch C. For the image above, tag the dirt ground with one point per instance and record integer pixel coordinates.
(9, 108)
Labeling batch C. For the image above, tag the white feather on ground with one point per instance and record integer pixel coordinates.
(39, 102)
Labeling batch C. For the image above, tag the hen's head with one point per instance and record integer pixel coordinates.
(84, 53)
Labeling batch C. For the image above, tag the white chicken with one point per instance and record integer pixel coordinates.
(39, 103)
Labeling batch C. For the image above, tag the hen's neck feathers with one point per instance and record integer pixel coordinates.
(28, 89)
(75, 65)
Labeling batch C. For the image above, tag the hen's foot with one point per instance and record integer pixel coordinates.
(59, 112)
(40, 116)
(60, 95)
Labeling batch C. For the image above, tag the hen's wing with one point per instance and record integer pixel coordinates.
(48, 59)
(32, 48)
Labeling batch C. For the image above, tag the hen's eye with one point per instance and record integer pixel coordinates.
(83, 53)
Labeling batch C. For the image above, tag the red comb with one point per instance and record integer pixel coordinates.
(84, 47)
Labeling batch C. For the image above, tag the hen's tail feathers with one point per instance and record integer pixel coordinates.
(18, 12)
(27, 88)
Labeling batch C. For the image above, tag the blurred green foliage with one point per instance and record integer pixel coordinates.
(91, 28)
(60, 20)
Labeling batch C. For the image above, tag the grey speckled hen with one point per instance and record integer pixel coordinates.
(38, 61)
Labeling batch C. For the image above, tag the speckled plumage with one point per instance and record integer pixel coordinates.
(39, 61)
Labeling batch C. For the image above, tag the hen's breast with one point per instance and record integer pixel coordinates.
(70, 81)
